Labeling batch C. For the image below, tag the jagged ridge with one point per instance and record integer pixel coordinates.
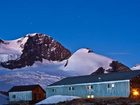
(115, 66)
(37, 48)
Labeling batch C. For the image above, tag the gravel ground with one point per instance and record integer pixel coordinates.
(102, 101)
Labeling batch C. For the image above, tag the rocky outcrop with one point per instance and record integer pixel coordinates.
(118, 67)
(100, 70)
(37, 48)
(115, 66)
(1, 41)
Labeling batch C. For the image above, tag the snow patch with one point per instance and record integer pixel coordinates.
(137, 67)
(12, 49)
(57, 99)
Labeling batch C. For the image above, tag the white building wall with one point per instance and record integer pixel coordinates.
(20, 96)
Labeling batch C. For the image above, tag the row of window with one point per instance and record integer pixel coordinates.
(89, 87)
(36, 96)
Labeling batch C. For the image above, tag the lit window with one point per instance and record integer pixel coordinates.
(135, 92)
(113, 85)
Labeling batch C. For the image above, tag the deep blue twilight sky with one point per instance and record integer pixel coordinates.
(109, 27)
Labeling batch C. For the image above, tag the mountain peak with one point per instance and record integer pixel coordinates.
(85, 61)
(84, 50)
(36, 34)
(36, 47)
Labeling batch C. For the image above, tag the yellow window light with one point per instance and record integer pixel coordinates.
(135, 92)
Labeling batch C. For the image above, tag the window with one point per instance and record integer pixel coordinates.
(14, 96)
(90, 87)
(113, 85)
(109, 86)
(71, 88)
(53, 90)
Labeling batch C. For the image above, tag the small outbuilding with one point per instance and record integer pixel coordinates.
(26, 94)
(116, 84)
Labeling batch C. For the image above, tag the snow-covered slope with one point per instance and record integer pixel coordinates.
(137, 67)
(13, 46)
(12, 49)
(84, 61)
(43, 73)
(57, 99)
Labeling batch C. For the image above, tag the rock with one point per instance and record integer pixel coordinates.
(99, 71)
(118, 67)
(1, 41)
